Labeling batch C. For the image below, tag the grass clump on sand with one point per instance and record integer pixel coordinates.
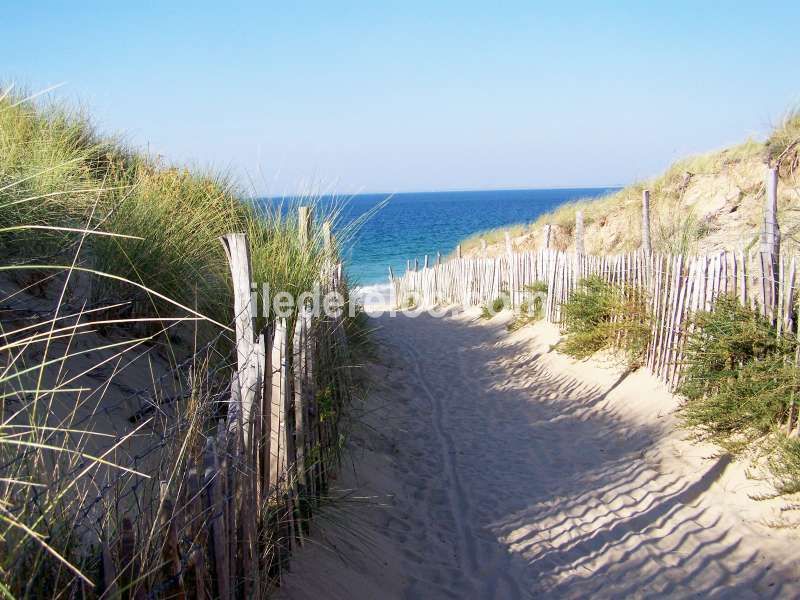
(598, 315)
(783, 145)
(785, 464)
(531, 308)
(740, 378)
(499, 304)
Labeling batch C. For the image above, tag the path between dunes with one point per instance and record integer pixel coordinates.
(486, 465)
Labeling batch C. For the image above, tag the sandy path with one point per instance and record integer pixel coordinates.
(488, 466)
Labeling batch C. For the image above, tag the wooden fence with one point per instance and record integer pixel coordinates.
(250, 481)
(674, 287)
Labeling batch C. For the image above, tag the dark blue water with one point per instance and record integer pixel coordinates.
(414, 224)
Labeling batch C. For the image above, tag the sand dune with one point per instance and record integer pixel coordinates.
(486, 465)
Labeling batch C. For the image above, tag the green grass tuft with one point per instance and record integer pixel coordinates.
(531, 308)
(785, 464)
(489, 311)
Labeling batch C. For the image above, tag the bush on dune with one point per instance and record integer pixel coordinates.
(740, 378)
(598, 315)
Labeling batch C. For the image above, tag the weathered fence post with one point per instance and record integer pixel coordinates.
(109, 569)
(171, 565)
(438, 258)
(298, 469)
(546, 234)
(280, 442)
(277, 432)
(458, 251)
(238, 253)
(391, 274)
(303, 225)
(426, 262)
(647, 246)
(213, 476)
(416, 265)
(579, 232)
(327, 238)
(770, 245)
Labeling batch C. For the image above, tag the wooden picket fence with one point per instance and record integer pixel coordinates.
(251, 479)
(673, 287)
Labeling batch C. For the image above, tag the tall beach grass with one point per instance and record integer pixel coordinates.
(115, 345)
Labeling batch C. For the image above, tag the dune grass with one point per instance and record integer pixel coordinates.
(119, 251)
(56, 170)
(783, 145)
(496, 306)
(492, 236)
(673, 230)
(532, 306)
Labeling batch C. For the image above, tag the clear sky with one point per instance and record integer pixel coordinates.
(415, 95)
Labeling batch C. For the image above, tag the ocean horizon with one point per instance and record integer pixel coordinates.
(412, 224)
(407, 225)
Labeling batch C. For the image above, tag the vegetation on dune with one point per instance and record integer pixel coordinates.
(709, 200)
(783, 145)
(492, 236)
(100, 236)
(740, 378)
(55, 170)
(741, 382)
(531, 307)
(499, 304)
(785, 464)
(598, 315)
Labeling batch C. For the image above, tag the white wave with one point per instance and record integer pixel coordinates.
(379, 294)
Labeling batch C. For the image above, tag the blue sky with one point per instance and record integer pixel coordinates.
(403, 96)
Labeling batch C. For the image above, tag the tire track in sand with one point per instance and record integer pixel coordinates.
(471, 556)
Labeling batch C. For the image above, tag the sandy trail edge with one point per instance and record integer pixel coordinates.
(485, 465)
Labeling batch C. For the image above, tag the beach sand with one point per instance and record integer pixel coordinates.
(484, 464)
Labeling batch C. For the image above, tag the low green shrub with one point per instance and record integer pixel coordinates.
(499, 304)
(740, 378)
(599, 315)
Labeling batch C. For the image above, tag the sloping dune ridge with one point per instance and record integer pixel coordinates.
(700, 204)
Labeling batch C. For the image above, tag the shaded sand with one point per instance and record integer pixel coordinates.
(486, 465)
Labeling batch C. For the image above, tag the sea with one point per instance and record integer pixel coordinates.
(383, 230)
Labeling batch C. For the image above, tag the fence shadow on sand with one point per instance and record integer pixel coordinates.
(565, 481)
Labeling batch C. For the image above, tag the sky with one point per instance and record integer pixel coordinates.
(350, 97)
